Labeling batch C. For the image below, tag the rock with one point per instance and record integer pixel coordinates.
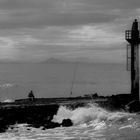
(133, 106)
(34, 115)
(51, 125)
(30, 120)
(3, 125)
(48, 125)
(66, 123)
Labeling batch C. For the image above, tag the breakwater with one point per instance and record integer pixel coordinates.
(40, 112)
(35, 115)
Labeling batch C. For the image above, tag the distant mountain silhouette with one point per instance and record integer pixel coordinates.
(74, 60)
(67, 61)
(55, 61)
(59, 61)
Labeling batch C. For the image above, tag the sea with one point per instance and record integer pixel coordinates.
(56, 79)
(90, 122)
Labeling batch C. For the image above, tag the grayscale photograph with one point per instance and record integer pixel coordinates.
(69, 70)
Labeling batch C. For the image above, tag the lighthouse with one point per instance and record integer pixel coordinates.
(133, 38)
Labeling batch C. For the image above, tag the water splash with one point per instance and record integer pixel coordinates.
(90, 122)
(90, 114)
(8, 101)
(6, 85)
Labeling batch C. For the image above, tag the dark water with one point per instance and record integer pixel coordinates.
(54, 80)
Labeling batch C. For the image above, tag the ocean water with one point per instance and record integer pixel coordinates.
(90, 123)
(55, 79)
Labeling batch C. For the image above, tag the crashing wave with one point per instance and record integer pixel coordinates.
(8, 101)
(92, 115)
(90, 122)
(7, 85)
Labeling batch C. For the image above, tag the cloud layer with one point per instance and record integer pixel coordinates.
(34, 30)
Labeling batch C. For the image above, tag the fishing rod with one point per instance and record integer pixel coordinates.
(73, 79)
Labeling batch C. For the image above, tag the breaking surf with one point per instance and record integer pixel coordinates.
(89, 122)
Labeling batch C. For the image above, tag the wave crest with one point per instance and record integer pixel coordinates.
(89, 114)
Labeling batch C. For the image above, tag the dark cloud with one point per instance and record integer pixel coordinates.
(36, 29)
(109, 48)
(25, 4)
(33, 20)
(111, 4)
(79, 4)
(38, 13)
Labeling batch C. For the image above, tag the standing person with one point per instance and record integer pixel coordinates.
(31, 96)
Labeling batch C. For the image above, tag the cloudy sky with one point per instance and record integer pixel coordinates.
(88, 30)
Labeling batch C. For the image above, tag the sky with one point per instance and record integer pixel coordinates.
(83, 30)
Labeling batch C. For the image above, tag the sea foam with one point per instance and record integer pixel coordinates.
(90, 122)
(89, 114)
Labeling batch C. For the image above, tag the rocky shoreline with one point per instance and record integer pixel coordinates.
(30, 114)
(40, 112)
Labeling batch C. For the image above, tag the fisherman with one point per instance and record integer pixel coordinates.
(31, 96)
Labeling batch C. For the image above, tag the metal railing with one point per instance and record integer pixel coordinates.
(128, 34)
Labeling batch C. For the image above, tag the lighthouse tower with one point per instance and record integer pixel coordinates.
(133, 38)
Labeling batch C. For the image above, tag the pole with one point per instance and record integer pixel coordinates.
(135, 71)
